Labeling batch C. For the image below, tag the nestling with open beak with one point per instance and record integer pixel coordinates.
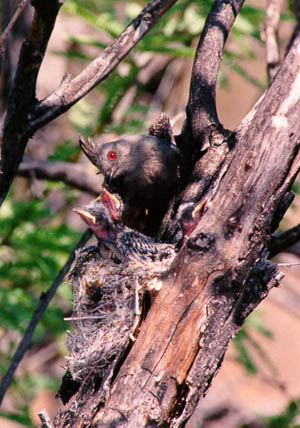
(104, 215)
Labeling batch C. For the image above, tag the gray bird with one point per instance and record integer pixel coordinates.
(103, 217)
(142, 169)
(109, 284)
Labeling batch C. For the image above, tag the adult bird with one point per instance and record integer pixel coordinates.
(143, 170)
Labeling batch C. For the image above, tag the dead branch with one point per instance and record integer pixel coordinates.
(72, 174)
(22, 97)
(216, 279)
(271, 37)
(201, 108)
(25, 114)
(222, 273)
(283, 241)
(203, 131)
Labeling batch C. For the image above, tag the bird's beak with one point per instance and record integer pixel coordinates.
(106, 196)
(198, 211)
(113, 203)
(85, 215)
(110, 178)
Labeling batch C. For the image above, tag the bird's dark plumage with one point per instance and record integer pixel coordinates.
(125, 243)
(141, 168)
(109, 284)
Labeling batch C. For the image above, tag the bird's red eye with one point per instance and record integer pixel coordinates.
(111, 155)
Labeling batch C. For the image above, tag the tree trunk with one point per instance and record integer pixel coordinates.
(221, 272)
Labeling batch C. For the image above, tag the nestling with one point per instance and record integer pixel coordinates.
(103, 216)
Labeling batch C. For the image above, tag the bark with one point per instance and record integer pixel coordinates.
(25, 114)
(222, 271)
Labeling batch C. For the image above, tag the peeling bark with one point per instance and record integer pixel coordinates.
(221, 272)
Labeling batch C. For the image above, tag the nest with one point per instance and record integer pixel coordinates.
(106, 313)
(108, 296)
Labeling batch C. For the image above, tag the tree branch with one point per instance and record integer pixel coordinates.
(271, 35)
(25, 115)
(283, 241)
(201, 108)
(45, 299)
(262, 279)
(297, 26)
(72, 90)
(72, 174)
(215, 279)
(22, 97)
(8, 28)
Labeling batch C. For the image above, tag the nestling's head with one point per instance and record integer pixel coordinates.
(97, 218)
(113, 203)
(103, 215)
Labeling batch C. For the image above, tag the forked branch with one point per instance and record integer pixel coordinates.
(25, 114)
(201, 108)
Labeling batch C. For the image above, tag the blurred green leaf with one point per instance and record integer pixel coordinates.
(243, 355)
(285, 419)
(102, 18)
(65, 152)
(244, 341)
(32, 253)
(22, 418)
(83, 115)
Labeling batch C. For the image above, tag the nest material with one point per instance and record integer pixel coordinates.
(107, 299)
(105, 313)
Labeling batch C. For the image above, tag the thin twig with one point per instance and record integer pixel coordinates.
(284, 240)
(45, 419)
(82, 318)
(25, 114)
(42, 306)
(288, 264)
(9, 26)
(271, 35)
